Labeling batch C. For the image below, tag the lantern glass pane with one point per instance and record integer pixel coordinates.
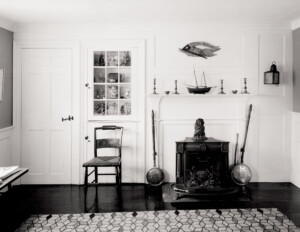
(268, 78)
(276, 78)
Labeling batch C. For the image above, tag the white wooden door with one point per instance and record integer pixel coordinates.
(46, 98)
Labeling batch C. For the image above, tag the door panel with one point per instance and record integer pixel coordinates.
(46, 98)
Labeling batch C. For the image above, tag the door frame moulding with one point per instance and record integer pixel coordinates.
(77, 81)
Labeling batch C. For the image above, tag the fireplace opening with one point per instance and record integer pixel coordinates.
(202, 167)
(204, 170)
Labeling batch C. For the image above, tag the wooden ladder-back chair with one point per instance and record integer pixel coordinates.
(105, 161)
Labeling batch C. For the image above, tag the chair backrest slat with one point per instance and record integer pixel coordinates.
(108, 142)
(110, 127)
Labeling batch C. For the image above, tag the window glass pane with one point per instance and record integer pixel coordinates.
(112, 75)
(112, 92)
(112, 108)
(99, 107)
(125, 58)
(99, 75)
(125, 108)
(125, 92)
(99, 92)
(125, 75)
(99, 58)
(112, 58)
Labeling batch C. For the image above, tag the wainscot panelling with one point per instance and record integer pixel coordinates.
(272, 158)
(6, 146)
(295, 161)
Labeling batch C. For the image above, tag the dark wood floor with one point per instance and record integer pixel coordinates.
(25, 200)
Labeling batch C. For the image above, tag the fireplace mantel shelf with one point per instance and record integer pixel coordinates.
(201, 95)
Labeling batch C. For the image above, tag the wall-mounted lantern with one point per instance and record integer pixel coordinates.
(272, 77)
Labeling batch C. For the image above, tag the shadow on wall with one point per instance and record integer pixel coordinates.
(296, 70)
(6, 63)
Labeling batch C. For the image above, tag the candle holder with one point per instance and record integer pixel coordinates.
(154, 86)
(222, 92)
(176, 92)
(245, 87)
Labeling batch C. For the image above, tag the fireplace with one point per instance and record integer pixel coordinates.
(202, 166)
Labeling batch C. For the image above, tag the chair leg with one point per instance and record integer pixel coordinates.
(120, 177)
(96, 175)
(117, 175)
(86, 177)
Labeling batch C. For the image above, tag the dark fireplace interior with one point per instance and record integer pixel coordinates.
(204, 170)
(202, 167)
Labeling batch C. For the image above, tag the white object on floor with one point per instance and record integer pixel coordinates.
(7, 171)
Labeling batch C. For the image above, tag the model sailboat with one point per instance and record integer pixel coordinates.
(199, 89)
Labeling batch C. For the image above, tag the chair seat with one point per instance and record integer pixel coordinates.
(103, 161)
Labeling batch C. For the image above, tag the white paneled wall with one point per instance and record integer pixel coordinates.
(6, 146)
(247, 51)
(242, 55)
(228, 64)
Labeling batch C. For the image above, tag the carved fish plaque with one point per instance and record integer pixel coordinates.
(202, 49)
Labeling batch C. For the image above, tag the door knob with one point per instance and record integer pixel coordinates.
(87, 138)
(68, 118)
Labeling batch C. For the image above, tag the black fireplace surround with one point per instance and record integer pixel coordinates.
(202, 166)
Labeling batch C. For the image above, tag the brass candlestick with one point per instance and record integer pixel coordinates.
(245, 87)
(154, 86)
(176, 87)
(222, 92)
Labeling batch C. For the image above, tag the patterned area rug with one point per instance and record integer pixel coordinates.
(178, 220)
